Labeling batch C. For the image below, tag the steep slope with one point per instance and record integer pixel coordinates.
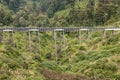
(96, 58)
(77, 59)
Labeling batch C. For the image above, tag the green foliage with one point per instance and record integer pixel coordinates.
(103, 68)
(59, 13)
(52, 66)
(82, 48)
(5, 15)
(95, 58)
(76, 57)
(105, 65)
(1, 64)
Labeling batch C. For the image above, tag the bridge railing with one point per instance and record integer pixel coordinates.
(66, 29)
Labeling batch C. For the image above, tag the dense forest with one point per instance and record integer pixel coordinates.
(59, 13)
(75, 58)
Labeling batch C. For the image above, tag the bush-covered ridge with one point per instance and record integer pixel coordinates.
(59, 13)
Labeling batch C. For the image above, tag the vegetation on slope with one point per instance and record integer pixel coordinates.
(77, 59)
(96, 58)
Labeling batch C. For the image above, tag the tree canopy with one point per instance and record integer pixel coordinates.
(59, 13)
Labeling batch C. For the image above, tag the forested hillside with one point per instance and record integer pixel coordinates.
(74, 58)
(59, 13)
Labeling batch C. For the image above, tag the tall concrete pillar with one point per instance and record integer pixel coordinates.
(64, 41)
(30, 44)
(79, 36)
(1, 36)
(28, 39)
(37, 42)
(55, 46)
(4, 37)
(88, 35)
(59, 42)
(113, 32)
(104, 34)
(11, 38)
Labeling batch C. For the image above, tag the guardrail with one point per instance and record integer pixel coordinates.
(66, 29)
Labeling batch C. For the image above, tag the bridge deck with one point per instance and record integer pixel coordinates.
(67, 29)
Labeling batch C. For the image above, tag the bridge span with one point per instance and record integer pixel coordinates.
(28, 30)
(66, 29)
(37, 30)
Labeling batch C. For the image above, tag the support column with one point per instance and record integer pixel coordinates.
(37, 40)
(28, 39)
(11, 38)
(88, 35)
(113, 32)
(1, 36)
(55, 45)
(4, 41)
(104, 34)
(63, 33)
(79, 36)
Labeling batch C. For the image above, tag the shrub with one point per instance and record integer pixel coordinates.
(112, 40)
(52, 75)
(82, 48)
(13, 65)
(49, 56)
(105, 65)
(37, 58)
(102, 69)
(1, 64)
(51, 65)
